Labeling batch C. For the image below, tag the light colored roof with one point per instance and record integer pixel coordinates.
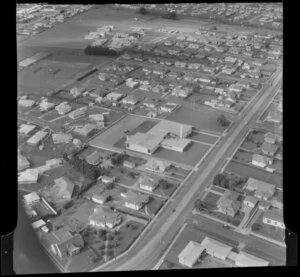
(97, 117)
(212, 246)
(246, 260)
(61, 137)
(114, 95)
(31, 197)
(148, 181)
(22, 162)
(26, 102)
(65, 185)
(86, 129)
(173, 142)
(260, 158)
(136, 198)
(130, 98)
(33, 59)
(38, 224)
(191, 252)
(37, 137)
(254, 184)
(28, 176)
(146, 140)
(156, 165)
(105, 216)
(26, 128)
(251, 199)
(165, 126)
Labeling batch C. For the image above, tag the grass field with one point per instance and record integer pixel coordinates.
(249, 171)
(190, 156)
(212, 198)
(271, 107)
(201, 119)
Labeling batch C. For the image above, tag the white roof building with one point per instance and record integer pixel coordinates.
(262, 189)
(246, 260)
(23, 163)
(78, 113)
(190, 254)
(86, 129)
(26, 103)
(61, 138)
(63, 108)
(31, 198)
(46, 106)
(114, 96)
(37, 138)
(26, 129)
(216, 248)
(96, 117)
(38, 224)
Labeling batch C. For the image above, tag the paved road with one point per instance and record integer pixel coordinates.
(149, 247)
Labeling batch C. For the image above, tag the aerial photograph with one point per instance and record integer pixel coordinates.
(150, 135)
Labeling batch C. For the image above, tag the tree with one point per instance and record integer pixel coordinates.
(256, 227)
(110, 237)
(223, 121)
(171, 15)
(165, 184)
(142, 11)
(220, 180)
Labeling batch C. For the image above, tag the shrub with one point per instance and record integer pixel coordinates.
(223, 121)
(256, 227)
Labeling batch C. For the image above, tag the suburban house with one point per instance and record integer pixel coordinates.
(68, 247)
(37, 138)
(274, 217)
(75, 92)
(262, 190)
(168, 107)
(94, 158)
(274, 116)
(107, 179)
(129, 164)
(250, 201)
(181, 92)
(149, 103)
(61, 138)
(103, 218)
(269, 149)
(97, 117)
(86, 129)
(46, 106)
(27, 129)
(152, 114)
(31, 198)
(147, 183)
(216, 249)
(28, 176)
(23, 162)
(78, 113)
(114, 96)
(190, 254)
(63, 108)
(270, 138)
(261, 161)
(228, 203)
(26, 103)
(130, 99)
(135, 200)
(264, 205)
(65, 187)
(100, 199)
(156, 165)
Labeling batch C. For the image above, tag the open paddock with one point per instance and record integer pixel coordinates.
(259, 174)
(201, 119)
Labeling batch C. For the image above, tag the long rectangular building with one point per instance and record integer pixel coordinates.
(190, 254)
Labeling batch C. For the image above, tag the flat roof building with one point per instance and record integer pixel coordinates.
(216, 248)
(176, 144)
(244, 259)
(37, 138)
(26, 103)
(27, 129)
(190, 254)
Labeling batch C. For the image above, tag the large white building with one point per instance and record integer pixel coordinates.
(246, 260)
(37, 138)
(216, 249)
(190, 254)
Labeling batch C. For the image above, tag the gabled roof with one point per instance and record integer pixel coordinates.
(65, 185)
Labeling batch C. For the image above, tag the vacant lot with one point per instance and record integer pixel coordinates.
(189, 157)
(108, 138)
(212, 199)
(205, 120)
(249, 171)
